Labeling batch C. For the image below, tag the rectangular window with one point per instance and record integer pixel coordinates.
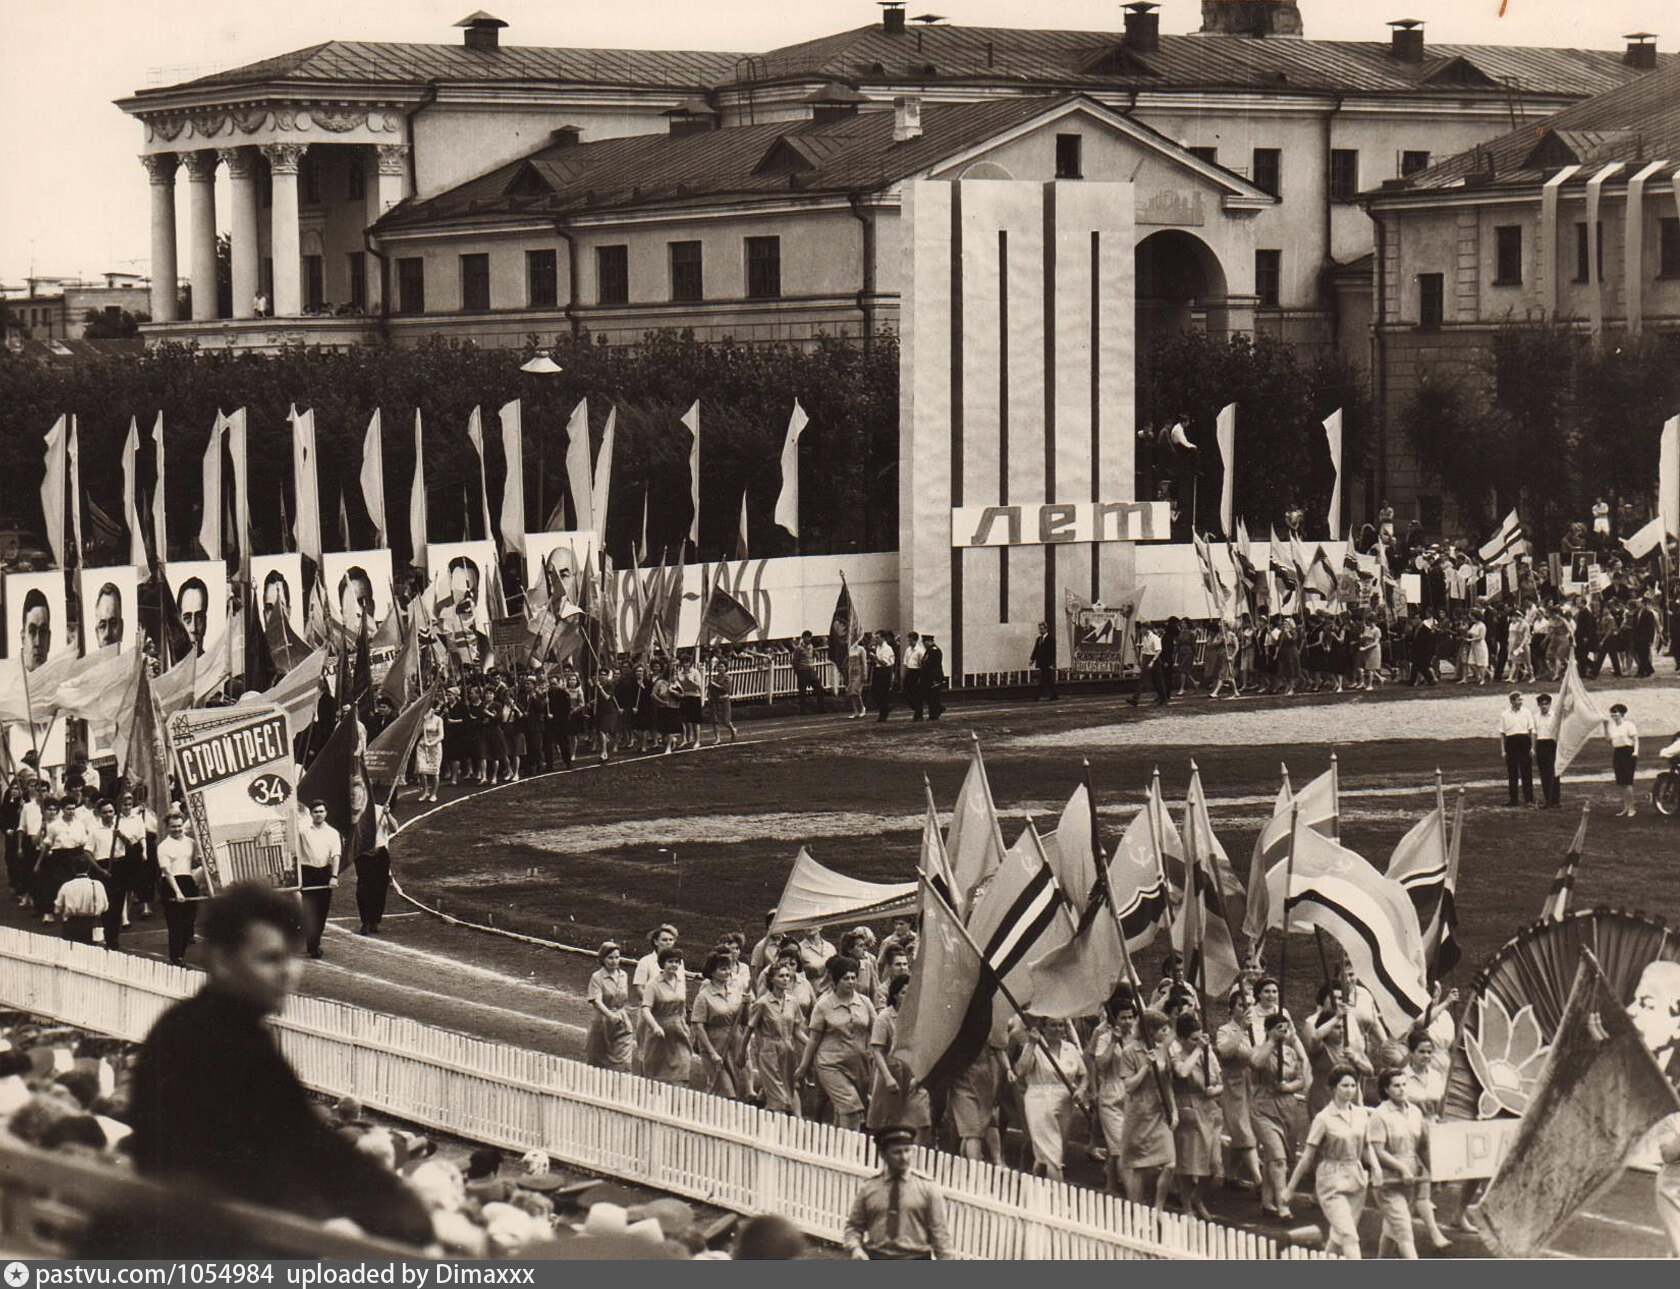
(314, 282)
(355, 179)
(1205, 152)
(1268, 170)
(687, 272)
(1583, 267)
(475, 282)
(542, 279)
(1344, 174)
(411, 285)
(1431, 300)
(1668, 248)
(612, 275)
(1508, 265)
(1412, 162)
(764, 267)
(356, 264)
(1268, 277)
(1069, 161)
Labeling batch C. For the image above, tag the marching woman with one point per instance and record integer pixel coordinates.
(1278, 1077)
(1339, 1143)
(714, 1021)
(837, 1050)
(667, 706)
(1288, 656)
(1233, 1045)
(1401, 1146)
(973, 1100)
(647, 710)
(612, 1042)
(1197, 1088)
(667, 1050)
(895, 1099)
(720, 692)
(606, 710)
(1326, 1036)
(800, 990)
(1147, 1152)
(1046, 1067)
(1107, 1042)
(428, 755)
(1624, 755)
(691, 682)
(857, 673)
(776, 1037)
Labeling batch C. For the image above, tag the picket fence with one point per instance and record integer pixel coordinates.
(753, 679)
(674, 1139)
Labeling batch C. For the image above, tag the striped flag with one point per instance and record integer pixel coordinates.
(1426, 865)
(1506, 544)
(1202, 929)
(1021, 914)
(935, 864)
(296, 693)
(1318, 811)
(1562, 894)
(1369, 915)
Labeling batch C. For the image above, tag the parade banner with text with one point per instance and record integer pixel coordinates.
(235, 767)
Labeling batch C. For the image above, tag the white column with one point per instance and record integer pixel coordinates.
(201, 193)
(386, 191)
(242, 173)
(283, 159)
(165, 277)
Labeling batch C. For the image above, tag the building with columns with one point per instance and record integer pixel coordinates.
(1575, 221)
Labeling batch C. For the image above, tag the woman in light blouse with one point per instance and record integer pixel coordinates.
(1624, 754)
(1147, 1152)
(1339, 1143)
(611, 1044)
(1278, 1070)
(713, 1020)
(838, 1047)
(1197, 1088)
(667, 1049)
(1400, 1141)
(776, 1036)
(1046, 1067)
(1109, 1082)
(1233, 1045)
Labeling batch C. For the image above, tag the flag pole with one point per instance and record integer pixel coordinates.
(1119, 927)
(997, 980)
(991, 806)
(1336, 797)
(1288, 882)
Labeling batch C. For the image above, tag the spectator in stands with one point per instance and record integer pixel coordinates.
(216, 1108)
(898, 1214)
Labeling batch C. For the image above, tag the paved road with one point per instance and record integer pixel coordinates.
(510, 990)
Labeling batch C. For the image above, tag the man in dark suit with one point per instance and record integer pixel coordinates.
(1044, 661)
(933, 677)
(1423, 653)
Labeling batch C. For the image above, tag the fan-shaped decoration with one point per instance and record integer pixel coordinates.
(1517, 999)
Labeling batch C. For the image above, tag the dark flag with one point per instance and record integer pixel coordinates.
(728, 617)
(337, 777)
(361, 677)
(159, 612)
(389, 750)
(844, 630)
(286, 649)
(146, 750)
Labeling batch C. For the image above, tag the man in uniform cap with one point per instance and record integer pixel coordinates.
(898, 1213)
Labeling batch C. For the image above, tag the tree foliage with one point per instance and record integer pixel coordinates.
(849, 497)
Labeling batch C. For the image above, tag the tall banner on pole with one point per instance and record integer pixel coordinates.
(578, 480)
(241, 481)
(513, 488)
(417, 500)
(787, 501)
(373, 477)
(160, 512)
(691, 418)
(1333, 435)
(307, 521)
(210, 520)
(475, 435)
(1668, 477)
(234, 765)
(1225, 431)
(56, 467)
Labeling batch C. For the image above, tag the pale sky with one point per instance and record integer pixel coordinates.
(73, 196)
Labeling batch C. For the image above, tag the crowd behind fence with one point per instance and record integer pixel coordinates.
(674, 1139)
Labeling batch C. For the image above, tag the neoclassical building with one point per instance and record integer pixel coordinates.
(490, 191)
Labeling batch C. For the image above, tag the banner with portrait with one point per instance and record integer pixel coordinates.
(278, 580)
(358, 582)
(200, 588)
(564, 553)
(234, 766)
(110, 606)
(460, 573)
(1101, 637)
(39, 626)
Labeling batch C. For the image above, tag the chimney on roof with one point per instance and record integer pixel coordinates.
(692, 116)
(1256, 18)
(1143, 27)
(1406, 43)
(1641, 50)
(482, 31)
(564, 136)
(892, 16)
(907, 118)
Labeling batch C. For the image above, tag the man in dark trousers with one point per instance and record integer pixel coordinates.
(373, 876)
(1545, 752)
(320, 856)
(886, 662)
(898, 1214)
(1516, 737)
(1044, 661)
(557, 722)
(217, 1111)
(1422, 653)
(934, 681)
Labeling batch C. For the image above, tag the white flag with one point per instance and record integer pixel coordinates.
(74, 455)
(306, 523)
(373, 476)
(52, 487)
(513, 488)
(1225, 432)
(160, 520)
(475, 435)
(1668, 477)
(417, 500)
(241, 480)
(1333, 434)
(1646, 540)
(787, 501)
(691, 418)
(131, 511)
(577, 467)
(601, 493)
(210, 517)
(1578, 717)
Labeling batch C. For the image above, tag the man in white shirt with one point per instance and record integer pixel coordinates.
(31, 822)
(886, 660)
(1545, 752)
(63, 841)
(1149, 664)
(1516, 737)
(320, 856)
(80, 903)
(913, 651)
(178, 884)
(108, 853)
